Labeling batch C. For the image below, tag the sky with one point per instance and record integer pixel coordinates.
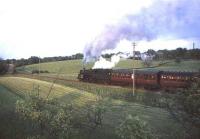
(64, 27)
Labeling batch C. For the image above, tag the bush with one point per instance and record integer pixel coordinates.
(133, 128)
(35, 71)
(185, 107)
(41, 71)
(51, 119)
(48, 118)
(3, 67)
(178, 60)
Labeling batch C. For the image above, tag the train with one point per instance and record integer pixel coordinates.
(148, 79)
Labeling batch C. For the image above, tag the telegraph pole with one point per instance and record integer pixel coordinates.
(39, 68)
(133, 75)
(193, 45)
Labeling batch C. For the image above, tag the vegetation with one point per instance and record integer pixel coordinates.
(102, 114)
(32, 108)
(185, 107)
(184, 65)
(51, 119)
(181, 53)
(3, 67)
(10, 127)
(133, 128)
(35, 59)
(24, 85)
(70, 69)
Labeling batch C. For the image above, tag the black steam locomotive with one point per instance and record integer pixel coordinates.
(142, 78)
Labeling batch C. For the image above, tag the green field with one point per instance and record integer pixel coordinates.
(8, 125)
(21, 85)
(159, 120)
(116, 100)
(187, 65)
(69, 69)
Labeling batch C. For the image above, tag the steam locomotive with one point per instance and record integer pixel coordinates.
(149, 79)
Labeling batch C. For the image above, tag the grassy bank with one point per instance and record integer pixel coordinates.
(159, 120)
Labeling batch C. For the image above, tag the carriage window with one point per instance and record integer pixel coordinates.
(152, 77)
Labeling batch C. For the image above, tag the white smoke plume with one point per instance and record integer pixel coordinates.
(102, 63)
(179, 19)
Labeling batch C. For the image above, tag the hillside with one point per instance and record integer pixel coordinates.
(69, 69)
(158, 119)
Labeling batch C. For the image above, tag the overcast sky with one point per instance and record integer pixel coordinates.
(63, 27)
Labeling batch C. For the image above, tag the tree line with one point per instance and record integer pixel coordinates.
(36, 59)
(165, 54)
(180, 53)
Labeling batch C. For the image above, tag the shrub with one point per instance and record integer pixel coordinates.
(51, 119)
(133, 128)
(178, 60)
(41, 71)
(3, 67)
(185, 107)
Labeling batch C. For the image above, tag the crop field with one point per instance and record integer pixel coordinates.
(159, 120)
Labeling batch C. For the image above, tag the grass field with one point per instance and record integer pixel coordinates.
(21, 85)
(187, 65)
(115, 99)
(69, 69)
(7, 107)
(159, 120)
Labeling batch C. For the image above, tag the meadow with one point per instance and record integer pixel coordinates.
(159, 120)
(69, 69)
(118, 101)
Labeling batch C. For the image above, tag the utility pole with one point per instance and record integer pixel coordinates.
(39, 68)
(193, 45)
(133, 75)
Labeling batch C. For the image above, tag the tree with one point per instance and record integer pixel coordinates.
(33, 60)
(3, 66)
(151, 52)
(180, 52)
